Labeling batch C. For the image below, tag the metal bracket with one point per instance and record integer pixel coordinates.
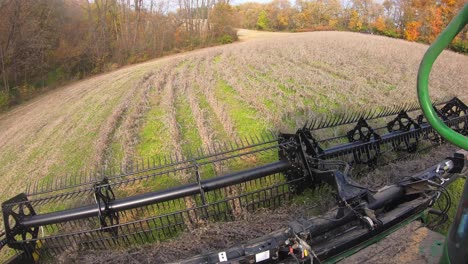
(103, 195)
(347, 191)
(459, 161)
(432, 134)
(198, 179)
(362, 132)
(202, 191)
(453, 109)
(18, 236)
(292, 150)
(404, 123)
(311, 144)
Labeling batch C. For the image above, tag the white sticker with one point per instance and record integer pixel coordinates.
(222, 256)
(262, 256)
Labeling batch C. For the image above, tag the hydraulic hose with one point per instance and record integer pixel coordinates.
(442, 41)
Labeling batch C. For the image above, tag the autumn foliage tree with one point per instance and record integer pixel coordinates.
(355, 21)
(412, 30)
(47, 42)
(414, 20)
(223, 23)
(380, 25)
(435, 22)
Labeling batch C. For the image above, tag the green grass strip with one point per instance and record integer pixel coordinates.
(247, 122)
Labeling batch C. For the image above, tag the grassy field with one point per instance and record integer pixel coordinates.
(183, 102)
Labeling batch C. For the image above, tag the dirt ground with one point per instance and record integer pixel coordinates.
(247, 34)
(411, 244)
(213, 236)
(396, 248)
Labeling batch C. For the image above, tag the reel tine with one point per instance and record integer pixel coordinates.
(316, 123)
(159, 162)
(230, 145)
(327, 121)
(398, 109)
(312, 124)
(211, 148)
(190, 155)
(251, 142)
(28, 185)
(331, 120)
(261, 139)
(402, 108)
(385, 111)
(339, 120)
(197, 153)
(335, 120)
(358, 116)
(243, 145)
(220, 145)
(368, 115)
(256, 139)
(42, 186)
(36, 187)
(391, 110)
(238, 143)
(171, 158)
(409, 107)
(348, 118)
(273, 136)
(322, 123)
(375, 112)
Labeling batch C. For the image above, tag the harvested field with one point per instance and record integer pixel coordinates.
(178, 104)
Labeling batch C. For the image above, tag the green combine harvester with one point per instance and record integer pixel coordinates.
(97, 212)
(456, 245)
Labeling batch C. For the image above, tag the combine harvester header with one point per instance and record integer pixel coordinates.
(106, 213)
(110, 210)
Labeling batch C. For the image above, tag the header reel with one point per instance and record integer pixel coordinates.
(105, 212)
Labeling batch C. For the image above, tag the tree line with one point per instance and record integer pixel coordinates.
(44, 43)
(414, 20)
(47, 42)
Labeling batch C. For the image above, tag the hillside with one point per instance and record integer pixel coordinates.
(183, 102)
